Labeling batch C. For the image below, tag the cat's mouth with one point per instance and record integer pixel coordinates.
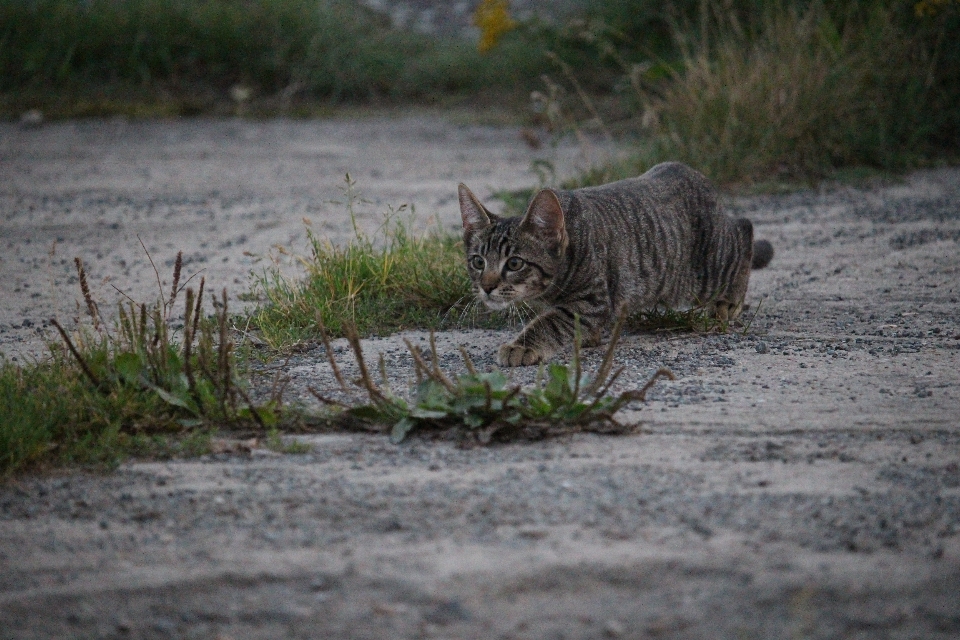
(496, 304)
(494, 300)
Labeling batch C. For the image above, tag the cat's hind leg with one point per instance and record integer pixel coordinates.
(729, 304)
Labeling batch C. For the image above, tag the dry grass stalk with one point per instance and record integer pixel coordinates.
(92, 310)
(329, 351)
(76, 354)
(174, 290)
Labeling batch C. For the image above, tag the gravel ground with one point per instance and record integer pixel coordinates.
(798, 480)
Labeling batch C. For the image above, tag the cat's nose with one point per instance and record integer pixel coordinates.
(488, 287)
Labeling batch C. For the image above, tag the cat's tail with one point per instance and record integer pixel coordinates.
(762, 254)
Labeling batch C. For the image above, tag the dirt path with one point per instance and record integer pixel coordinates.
(802, 480)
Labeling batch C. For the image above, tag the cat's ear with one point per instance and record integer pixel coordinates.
(475, 216)
(544, 220)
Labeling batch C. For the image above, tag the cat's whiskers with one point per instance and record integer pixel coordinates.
(521, 311)
(446, 315)
(468, 311)
(524, 312)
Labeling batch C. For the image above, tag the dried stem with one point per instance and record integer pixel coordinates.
(251, 407)
(188, 332)
(467, 361)
(326, 400)
(365, 380)
(92, 309)
(604, 370)
(419, 364)
(329, 349)
(76, 354)
(662, 372)
(196, 311)
(223, 354)
(177, 266)
(439, 375)
(156, 272)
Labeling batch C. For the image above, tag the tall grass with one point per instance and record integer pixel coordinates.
(743, 89)
(797, 98)
(794, 90)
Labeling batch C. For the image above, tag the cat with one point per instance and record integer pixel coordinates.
(597, 252)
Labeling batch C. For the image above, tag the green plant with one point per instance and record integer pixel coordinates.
(487, 405)
(129, 385)
(389, 281)
(695, 320)
(196, 379)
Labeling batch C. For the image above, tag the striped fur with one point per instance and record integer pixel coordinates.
(659, 239)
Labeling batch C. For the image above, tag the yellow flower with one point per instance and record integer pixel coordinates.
(493, 19)
(930, 7)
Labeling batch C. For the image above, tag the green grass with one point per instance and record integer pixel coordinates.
(52, 416)
(391, 280)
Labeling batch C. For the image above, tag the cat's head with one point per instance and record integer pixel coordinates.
(512, 259)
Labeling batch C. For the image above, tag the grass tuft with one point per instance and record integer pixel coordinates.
(381, 283)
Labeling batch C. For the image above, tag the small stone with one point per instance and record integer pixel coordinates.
(762, 348)
(613, 629)
(31, 119)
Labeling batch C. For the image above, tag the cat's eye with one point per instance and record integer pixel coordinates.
(515, 263)
(477, 262)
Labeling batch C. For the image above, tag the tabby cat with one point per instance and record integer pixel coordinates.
(594, 253)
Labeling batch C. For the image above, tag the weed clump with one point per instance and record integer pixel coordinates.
(482, 407)
(129, 385)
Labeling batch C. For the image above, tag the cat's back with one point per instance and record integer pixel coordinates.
(648, 235)
(670, 193)
(663, 184)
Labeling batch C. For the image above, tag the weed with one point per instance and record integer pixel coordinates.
(195, 379)
(128, 386)
(484, 406)
(166, 57)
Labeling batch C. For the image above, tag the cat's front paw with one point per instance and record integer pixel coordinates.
(516, 355)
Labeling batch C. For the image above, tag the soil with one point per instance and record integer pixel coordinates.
(800, 478)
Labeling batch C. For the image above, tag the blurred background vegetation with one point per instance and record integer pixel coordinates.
(745, 90)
